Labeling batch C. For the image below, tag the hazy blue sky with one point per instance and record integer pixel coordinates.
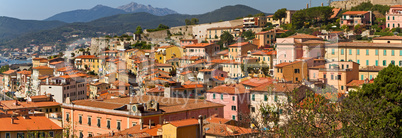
(42, 9)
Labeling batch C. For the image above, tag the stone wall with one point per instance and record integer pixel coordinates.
(348, 4)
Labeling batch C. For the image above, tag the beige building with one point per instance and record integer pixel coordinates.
(366, 53)
(286, 20)
(369, 72)
(214, 34)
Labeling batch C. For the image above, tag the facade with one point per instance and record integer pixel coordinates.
(366, 53)
(205, 50)
(264, 38)
(72, 87)
(10, 80)
(369, 72)
(299, 46)
(97, 117)
(353, 18)
(184, 42)
(286, 20)
(214, 34)
(189, 128)
(28, 126)
(165, 53)
(338, 74)
(250, 22)
(291, 72)
(238, 50)
(394, 17)
(235, 97)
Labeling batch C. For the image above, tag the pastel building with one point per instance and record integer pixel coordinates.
(353, 18)
(206, 50)
(294, 72)
(394, 17)
(214, 33)
(96, 117)
(164, 53)
(234, 97)
(249, 22)
(184, 42)
(299, 46)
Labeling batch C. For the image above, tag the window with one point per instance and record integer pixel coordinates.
(80, 119)
(371, 77)
(234, 108)
(68, 117)
(384, 63)
(89, 134)
(361, 77)
(333, 52)
(81, 134)
(339, 77)
(342, 52)
(297, 70)
(108, 124)
(350, 51)
(400, 62)
(98, 122)
(233, 98)
(357, 51)
(341, 87)
(400, 52)
(385, 52)
(134, 123)
(8, 135)
(276, 98)
(392, 62)
(376, 62)
(358, 61)
(118, 125)
(233, 117)
(213, 96)
(221, 96)
(20, 135)
(332, 77)
(253, 97)
(376, 52)
(367, 52)
(265, 97)
(89, 121)
(367, 62)
(252, 109)
(393, 53)
(51, 133)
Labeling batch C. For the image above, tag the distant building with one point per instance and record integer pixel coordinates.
(291, 71)
(250, 22)
(394, 17)
(184, 42)
(68, 86)
(353, 18)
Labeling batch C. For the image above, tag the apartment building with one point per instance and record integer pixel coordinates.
(184, 42)
(286, 20)
(214, 33)
(235, 97)
(367, 53)
(73, 87)
(165, 53)
(250, 22)
(238, 50)
(10, 81)
(205, 50)
(299, 46)
(353, 18)
(294, 72)
(394, 17)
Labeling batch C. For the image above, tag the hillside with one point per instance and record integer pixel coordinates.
(96, 12)
(100, 11)
(11, 27)
(119, 24)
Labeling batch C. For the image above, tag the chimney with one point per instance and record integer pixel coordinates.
(149, 126)
(200, 125)
(141, 124)
(322, 4)
(12, 120)
(307, 6)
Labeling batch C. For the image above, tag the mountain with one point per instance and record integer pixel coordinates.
(119, 24)
(135, 7)
(11, 27)
(100, 11)
(96, 12)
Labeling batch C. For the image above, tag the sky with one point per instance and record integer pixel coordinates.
(42, 9)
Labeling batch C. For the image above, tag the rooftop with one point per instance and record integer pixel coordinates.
(32, 123)
(185, 122)
(42, 67)
(254, 82)
(355, 12)
(388, 38)
(229, 89)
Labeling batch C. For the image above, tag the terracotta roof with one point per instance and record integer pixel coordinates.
(183, 123)
(225, 130)
(54, 63)
(254, 82)
(74, 75)
(33, 123)
(206, 70)
(388, 38)
(38, 58)
(24, 72)
(223, 52)
(155, 90)
(354, 12)
(300, 36)
(263, 52)
(64, 69)
(314, 42)
(166, 46)
(189, 86)
(335, 12)
(364, 44)
(396, 6)
(270, 16)
(167, 105)
(42, 67)
(239, 44)
(86, 56)
(318, 67)
(219, 28)
(217, 120)
(163, 65)
(371, 68)
(120, 83)
(9, 71)
(286, 64)
(229, 89)
(10, 104)
(356, 83)
(98, 83)
(198, 45)
(276, 87)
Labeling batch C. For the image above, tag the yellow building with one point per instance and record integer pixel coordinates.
(36, 62)
(291, 72)
(366, 53)
(96, 88)
(84, 61)
(188, 128)
(165, 53)
(369, 72)
(214, 34)
(265, 57)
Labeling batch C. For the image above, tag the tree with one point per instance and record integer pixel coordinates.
(249, 34)
(138, 30)
(259, 14)
(226, 38)
(194, 21)
(279, 14)
(187, 21)
(72, 54)
(376, 109)
(4, 68)
(162, 26)
(298, 19)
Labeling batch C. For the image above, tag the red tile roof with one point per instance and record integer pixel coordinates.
(9, 71)
(276, 87)
(254, 82)
(300, 36)
(354, 12)
(239, 44)
(229, 89)
(335, 12)
(286, 64)
(356, 83)
(24, 72)
(396, 6)
(198, 45)
(120, 83)
(224, 130)
(183, 123)
(388, 38)
(86, 56)
(42, 67)
(33, 123)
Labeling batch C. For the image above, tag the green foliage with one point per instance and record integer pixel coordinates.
(279, 14)
(259, 14)
(311, 16)
(359, 29)
(368, 6)
(142, 45)
(159, 28)
(226, 38)
(249, 34)
(193, 21)
(4, 68)
(138, 30)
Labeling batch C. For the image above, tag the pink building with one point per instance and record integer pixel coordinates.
(234, 97)
(353, 18)
(206, 50)
(299, 46)
(394, 16)
(185, 42)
